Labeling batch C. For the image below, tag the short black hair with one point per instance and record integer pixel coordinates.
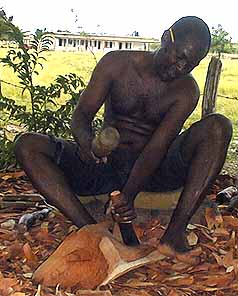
(195, 29)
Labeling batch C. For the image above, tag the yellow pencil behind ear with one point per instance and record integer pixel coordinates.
(171, 34)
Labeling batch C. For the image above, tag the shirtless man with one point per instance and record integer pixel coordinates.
(148, 96)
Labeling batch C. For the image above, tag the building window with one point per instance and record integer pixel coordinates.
(60, 42)
(70, 41)
(128, 45)
(64, 42)
(110, 44)
(106, 44)
(81, 42)
(95, 43)
(74, 43)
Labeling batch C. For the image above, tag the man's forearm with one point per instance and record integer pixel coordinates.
(146, 164)
(82, 132)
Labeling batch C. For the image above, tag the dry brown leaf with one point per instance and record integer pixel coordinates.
(38, 292)
(230, 269)
(219, 280)
(93, 293)
(181, 280)
(135, 283)
(201, 267)
(180, 266)
(18, 294)
(173, 293)
(6, 285)
(230, 221)
(43, 235)
(221, 232)
(192, 238)
(212, 219)
(219, 259)
(209, 216)
(15, 250)
(131, 292)
(228, 259)
(207, 235)
(29, 254)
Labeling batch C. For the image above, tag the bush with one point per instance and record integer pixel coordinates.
(45, 114)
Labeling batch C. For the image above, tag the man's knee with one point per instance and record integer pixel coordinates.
(25, 145)
(218, 127)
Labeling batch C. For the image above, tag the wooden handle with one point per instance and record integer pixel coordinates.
(114, 196)
(105, 142)
(126, 227)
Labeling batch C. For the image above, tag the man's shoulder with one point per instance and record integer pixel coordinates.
(121, 57)
(186, 91)
(116, 62)
(188, 85)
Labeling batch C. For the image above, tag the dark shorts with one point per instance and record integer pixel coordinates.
(95, 179)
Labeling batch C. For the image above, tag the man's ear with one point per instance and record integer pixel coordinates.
(165, 37)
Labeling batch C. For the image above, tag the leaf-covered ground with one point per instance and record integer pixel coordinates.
(215, 274)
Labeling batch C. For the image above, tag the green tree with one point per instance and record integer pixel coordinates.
(5, 30)
(40, 32)
(221, 41)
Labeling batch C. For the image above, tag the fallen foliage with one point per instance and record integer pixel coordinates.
(216, 273)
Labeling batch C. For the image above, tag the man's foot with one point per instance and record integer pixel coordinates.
(179, 249)
(191, 257)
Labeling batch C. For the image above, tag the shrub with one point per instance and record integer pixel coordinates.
(45, 114)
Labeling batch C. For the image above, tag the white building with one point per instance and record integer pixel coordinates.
(65, 41)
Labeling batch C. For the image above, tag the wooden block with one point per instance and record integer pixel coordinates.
(92, 257)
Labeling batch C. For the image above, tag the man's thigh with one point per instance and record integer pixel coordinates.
(84, 179)
(173, 170)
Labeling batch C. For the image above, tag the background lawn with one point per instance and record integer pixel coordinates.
(82, 63)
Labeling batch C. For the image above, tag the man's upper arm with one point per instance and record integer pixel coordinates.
(98, 87)
(186, 100)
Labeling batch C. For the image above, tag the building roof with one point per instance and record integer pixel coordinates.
(105, 37)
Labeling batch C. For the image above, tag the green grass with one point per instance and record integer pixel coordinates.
(83, 63)
(58, 63)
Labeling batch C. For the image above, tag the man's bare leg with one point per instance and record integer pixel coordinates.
(205, 148)
(35, 153)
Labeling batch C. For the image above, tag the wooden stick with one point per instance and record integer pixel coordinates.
(33, 197)
(16, 204)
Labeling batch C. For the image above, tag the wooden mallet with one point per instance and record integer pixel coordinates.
(104, 143)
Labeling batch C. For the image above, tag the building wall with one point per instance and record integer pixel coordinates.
(66, 43)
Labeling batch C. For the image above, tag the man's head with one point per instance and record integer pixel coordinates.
(183, 46)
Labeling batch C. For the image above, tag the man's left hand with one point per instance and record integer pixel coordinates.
(122, 209)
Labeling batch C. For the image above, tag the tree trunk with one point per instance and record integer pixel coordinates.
(211, 86)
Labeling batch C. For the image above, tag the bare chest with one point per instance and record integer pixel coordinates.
(142, 97)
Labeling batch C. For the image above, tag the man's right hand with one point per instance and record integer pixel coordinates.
(122, 208)
(88, 156)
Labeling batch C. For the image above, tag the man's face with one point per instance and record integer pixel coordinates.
(176, 59)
